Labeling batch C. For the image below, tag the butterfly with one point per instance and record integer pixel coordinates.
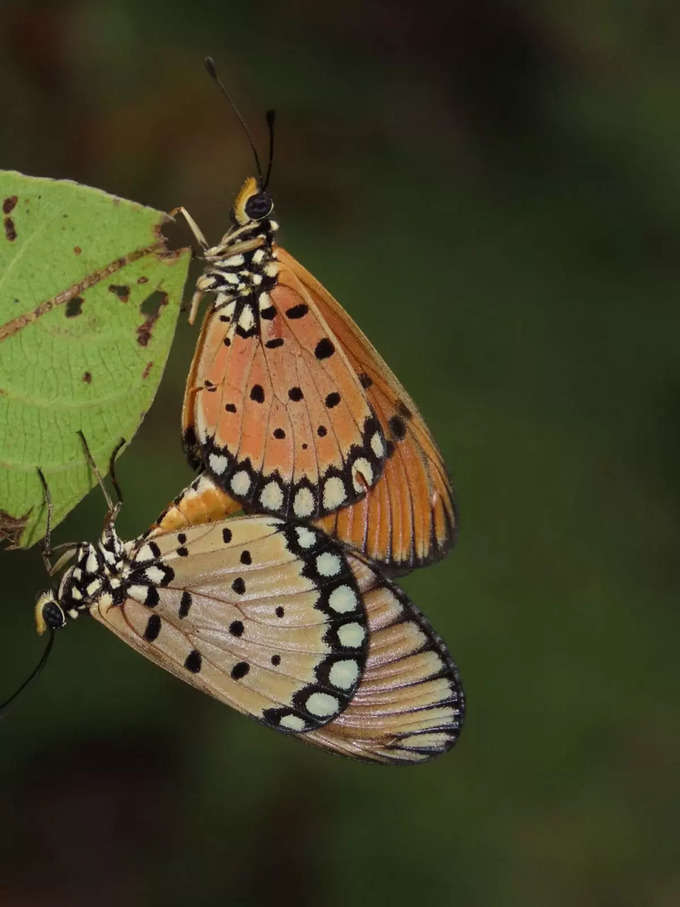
(290, 410)
(278, 621)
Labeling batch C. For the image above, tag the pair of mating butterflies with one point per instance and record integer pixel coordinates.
(284, 613)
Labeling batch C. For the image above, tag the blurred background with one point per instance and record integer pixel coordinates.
(492, 189)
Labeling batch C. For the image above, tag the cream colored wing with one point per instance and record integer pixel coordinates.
(281, 623)
(263, 616)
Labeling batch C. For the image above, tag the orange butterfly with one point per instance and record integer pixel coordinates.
(289, 409)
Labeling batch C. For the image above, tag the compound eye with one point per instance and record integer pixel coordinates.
(259, 206)
(53, 615)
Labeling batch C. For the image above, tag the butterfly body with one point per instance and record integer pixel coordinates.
(277, 621)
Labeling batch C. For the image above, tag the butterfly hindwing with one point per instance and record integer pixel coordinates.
(408, 519)
(409, 702)
(409, 705)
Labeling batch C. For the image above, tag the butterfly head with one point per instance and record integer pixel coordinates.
(252, 204)
(49, 615)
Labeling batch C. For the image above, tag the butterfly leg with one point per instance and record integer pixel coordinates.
(112, 509)
(193, 226)
(203, 243)
(47, 546)
(112, 471)
(47, 550)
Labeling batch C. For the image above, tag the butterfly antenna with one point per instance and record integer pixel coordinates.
(209, 64)
(271, 117)
(34, 673)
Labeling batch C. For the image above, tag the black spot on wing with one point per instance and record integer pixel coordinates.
(324, 348)
(297, 311)
(185, 603)
(153, 628)
(193, 661)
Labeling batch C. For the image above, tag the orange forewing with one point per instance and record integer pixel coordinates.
(277, 411)
(407, 518)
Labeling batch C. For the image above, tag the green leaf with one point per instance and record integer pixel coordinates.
(89, 298)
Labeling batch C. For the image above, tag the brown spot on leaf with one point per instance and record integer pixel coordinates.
(74, 306)
(147, 369)
(9, 204)
(87, 377)
(10, 229)
(77, 250)
(11, 528)
(142, 279)
(21, 321)
(151, 307)
(120, 290)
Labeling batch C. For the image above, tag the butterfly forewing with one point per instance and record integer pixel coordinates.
(265, 617)
(274, 409)
(409, 703)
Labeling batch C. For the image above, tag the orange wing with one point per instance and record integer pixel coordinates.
(282, 426)
(275, 410)
(408, 519)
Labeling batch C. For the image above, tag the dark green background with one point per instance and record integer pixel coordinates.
(493, 191)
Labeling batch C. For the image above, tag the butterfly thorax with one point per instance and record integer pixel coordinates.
(243, 263)
(98, 570)
(105, 574)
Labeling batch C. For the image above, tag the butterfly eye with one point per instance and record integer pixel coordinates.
(53, 615)
(259, 206)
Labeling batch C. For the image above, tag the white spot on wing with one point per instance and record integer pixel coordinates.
(328, 564)
(322, 704)
(344, 673)
(306, 537)
(271, 496)
(240, 482)
(377, 445)
(218, 463)
(155, 575)
(343, 599)
(303, 505)
(145, 554)
(364, 469)
(351, 635)
(139, 593)
(246, 319)
(333, 493)
(292, 723)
